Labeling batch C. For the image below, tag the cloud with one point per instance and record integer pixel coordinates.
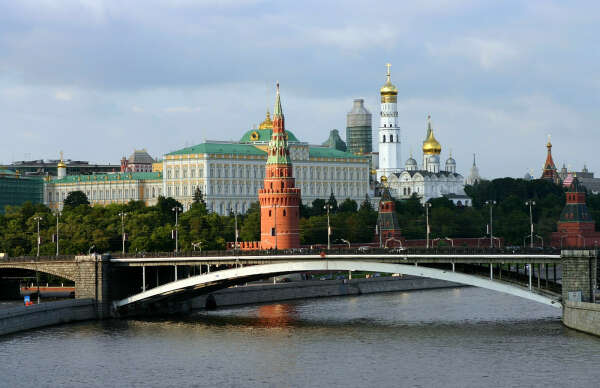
(182, 109)
(63, 95)
(489, 54)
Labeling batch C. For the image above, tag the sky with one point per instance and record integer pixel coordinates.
(98, 79)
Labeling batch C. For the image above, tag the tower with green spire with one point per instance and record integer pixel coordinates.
(279, 198)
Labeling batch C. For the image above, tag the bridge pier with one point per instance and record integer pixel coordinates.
(92, 281)
(579, 275)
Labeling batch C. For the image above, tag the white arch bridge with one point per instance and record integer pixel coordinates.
(186, 288)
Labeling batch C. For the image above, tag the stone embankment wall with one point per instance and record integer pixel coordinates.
(315, 288)
(46, 314)
(582, 316)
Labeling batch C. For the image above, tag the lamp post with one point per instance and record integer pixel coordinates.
(122, 215)
(57, 218)
(427, 205)
(530, 203)
(346, 241)
(491, 205)
(37, 274)
(236, 230)
(176, 209)
(328, 207)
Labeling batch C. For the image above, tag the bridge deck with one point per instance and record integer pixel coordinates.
(382, 258)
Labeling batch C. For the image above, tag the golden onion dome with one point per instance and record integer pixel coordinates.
(388, 90)
(383, 179)
(431, 146)
(268, 123)
(61, 164)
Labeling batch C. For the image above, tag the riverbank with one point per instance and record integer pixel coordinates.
(265, 293)
(582, 316)
(23, 318)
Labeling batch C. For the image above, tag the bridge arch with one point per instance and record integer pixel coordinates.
(230, 276)
(56, 270)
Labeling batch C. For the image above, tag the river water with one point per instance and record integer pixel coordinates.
(464, 337)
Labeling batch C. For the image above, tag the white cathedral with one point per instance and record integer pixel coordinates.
(426, 181)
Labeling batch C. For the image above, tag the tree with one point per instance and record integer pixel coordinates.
(76, 198)
(250, 230)
(332, 202)
(198, 196)
(348, 206)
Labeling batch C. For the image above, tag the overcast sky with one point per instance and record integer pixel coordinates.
(97, 79)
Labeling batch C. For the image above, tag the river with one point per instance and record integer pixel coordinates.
(463, 337)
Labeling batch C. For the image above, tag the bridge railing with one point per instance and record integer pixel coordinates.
(341, 251)
(365, 250)
(6, 259)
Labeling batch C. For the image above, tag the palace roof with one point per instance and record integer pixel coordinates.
(114, 177)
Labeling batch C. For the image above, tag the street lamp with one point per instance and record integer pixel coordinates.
(427, 205)
(491, 205)
(176, 209)
(57, 218)
(346, 241)
(328, 207)
(530, 203)
(37, 274)
(122, 215)
(236, 230)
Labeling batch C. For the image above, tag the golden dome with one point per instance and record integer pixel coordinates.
(268, 123)
(431, 146)
(61, 164)
(383, 179)
(388, 91)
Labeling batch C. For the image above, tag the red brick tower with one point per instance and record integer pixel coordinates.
(387, 222)
(549, 172)
(576, 228)
(279, 199)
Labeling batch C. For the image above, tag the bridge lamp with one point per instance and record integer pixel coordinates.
(491, 204)
(177, 210)
(37, 274)
(427, 205)
(123, 215)
(530, 203)
(328, 207)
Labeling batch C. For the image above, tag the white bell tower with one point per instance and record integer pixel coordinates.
(389, 132)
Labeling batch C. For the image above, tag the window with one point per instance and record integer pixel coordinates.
(391, 138)
(284, 212)
(269, 213)
(272, 231)
(383, 138)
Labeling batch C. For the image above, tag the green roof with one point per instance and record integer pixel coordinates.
(220, 148)
(264, 135)
(326, 152)
(118, 176)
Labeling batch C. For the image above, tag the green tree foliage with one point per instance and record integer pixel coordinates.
(76, 198)
(149, 227)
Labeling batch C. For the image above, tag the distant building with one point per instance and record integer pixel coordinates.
(49, 167)
(549, 171)
(16, 189)
(335, 141)
(473, 177)
(429, 181)
(105, 189)
(576, 227)
(359, 130)
(139, 161)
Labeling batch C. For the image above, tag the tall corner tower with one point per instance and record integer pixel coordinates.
(389, 131)
(359, 129)
(279, 198)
